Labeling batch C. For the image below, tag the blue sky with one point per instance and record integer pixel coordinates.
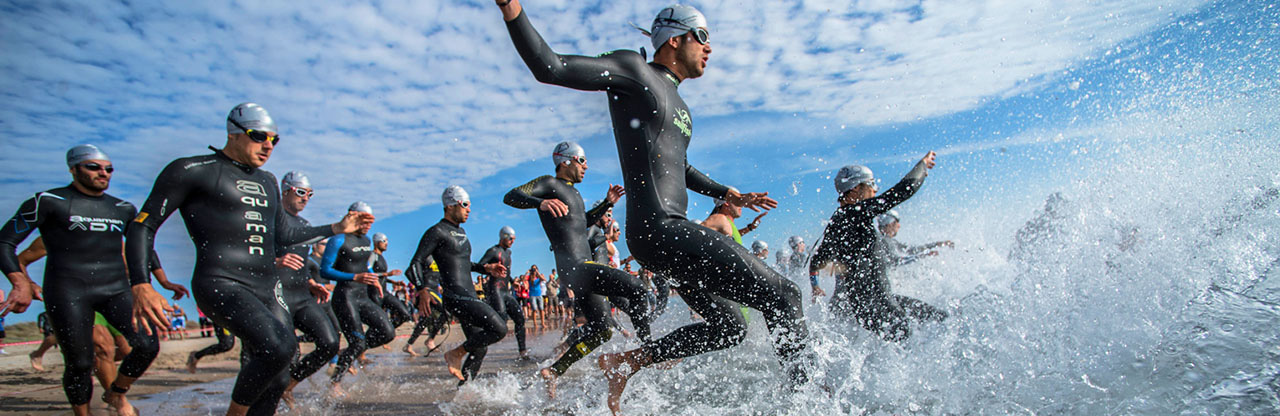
(391, 102)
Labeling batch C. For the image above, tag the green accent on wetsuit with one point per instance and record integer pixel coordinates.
(581, 349)
(98, 319)
(746, 312)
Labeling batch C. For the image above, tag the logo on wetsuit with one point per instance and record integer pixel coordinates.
(95, 224)
(256, 238)
(683, 122)
(459, 237)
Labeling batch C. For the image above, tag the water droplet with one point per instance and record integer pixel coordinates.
(635, 123)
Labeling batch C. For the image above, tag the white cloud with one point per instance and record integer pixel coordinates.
(391, 102)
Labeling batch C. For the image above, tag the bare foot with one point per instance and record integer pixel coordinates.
(191, 363)
(408, 349)
(387, 346)
(119, 403)
(353, 370)
(617, 371)
(36, 362)
(336, 392)
(431, 345)
(288, 400)
(453, 359)
(550, 376)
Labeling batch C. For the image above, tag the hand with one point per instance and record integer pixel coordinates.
(149, 308)
(290, 261)
(20, 297)
(352, 222)
(178, 290)
(321, 293)
(756, 222)
(818, 292)
(395, 272)
(615, 193)
(495, 270)
(555, 207)
(367, 278)
(928, 159)
(425, 300)
(752, 200)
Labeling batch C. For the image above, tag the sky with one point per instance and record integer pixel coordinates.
(390, 102)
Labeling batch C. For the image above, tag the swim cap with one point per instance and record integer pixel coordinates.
(251, 116)
(614, 226)
(720, 202)
(379, 238)
(795, 241)
(85, 152)
(887, 218)
(759, 246)
(455, 195)
(295, 179)
(506, 232)
(360, 206)
(675, 20)
(566, 151)
(852, 175)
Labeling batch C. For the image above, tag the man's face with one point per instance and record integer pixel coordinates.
(295, 199)
(763, 254)
(256, 153)
(381, 245)
(458, 213)
(507, 242)
(799, 248)
(692, 56)
(891, 229)
(606, 219)
(577, 171)
(93, 175)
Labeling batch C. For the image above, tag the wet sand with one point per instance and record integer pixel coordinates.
(393, 384)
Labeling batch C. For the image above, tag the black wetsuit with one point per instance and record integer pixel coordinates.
(309, 316)
(862, 289)
(899, 254)
(652, 128)
(345, 256)
(226, 342)
(497, 292)
(84, 273)
(436, 317)
(232, 215)
(448, 245)
(386, 298)
(589, 280)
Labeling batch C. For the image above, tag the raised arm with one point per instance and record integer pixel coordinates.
(578, 72)
(529, 195)
(699, 182)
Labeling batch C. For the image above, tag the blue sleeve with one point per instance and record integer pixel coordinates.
(330, 256)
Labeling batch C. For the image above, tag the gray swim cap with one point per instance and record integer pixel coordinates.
(85, 152)
(675, 20)
(379, 238)
(506, 232)
(795, 241)
(295, 179)
(455, 195)
(614, 226)
(251, 116)
(887, 218)
(852, 175)
(720, 202)
(759, 246)
(566, 151)
(360, 206)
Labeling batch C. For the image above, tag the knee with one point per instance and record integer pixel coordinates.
(732, 329)
(144, 346)
(81, 363)
(328, 346)
(279, 353)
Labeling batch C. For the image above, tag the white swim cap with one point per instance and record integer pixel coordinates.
(84, 152)
(250, 116)
(379, 238)
(360, 206)
(795, 241)
(455, 195)
(852, 175)
(675, 20)
(506, 232)
(759, 246)
(887, 218)
(567, 151)
(296, 179)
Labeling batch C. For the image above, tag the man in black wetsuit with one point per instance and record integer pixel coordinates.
(652, 128)
(897, 253)
(348, 259)
(798, 261)
(82, 226)
(564, 218)
(852, 244)
(231, 209)
(497, 289)
(396, 309)
(306, 297)
(447, 243)
(426, 284)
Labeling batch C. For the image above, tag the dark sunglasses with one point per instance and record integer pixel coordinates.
(304, 193)
(256, 136)
(94, 167)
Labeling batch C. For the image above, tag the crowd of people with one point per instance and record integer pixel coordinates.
(267, 276)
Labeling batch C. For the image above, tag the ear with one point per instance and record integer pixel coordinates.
(675, 41)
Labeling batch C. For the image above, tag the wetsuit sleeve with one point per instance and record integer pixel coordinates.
(699, 182)
(573, 71)
(421, 260)
(17, 229)
(169, 192)
(529, 195)
(595, 214)
(288, 234)
(331, 256)
(155, 260)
